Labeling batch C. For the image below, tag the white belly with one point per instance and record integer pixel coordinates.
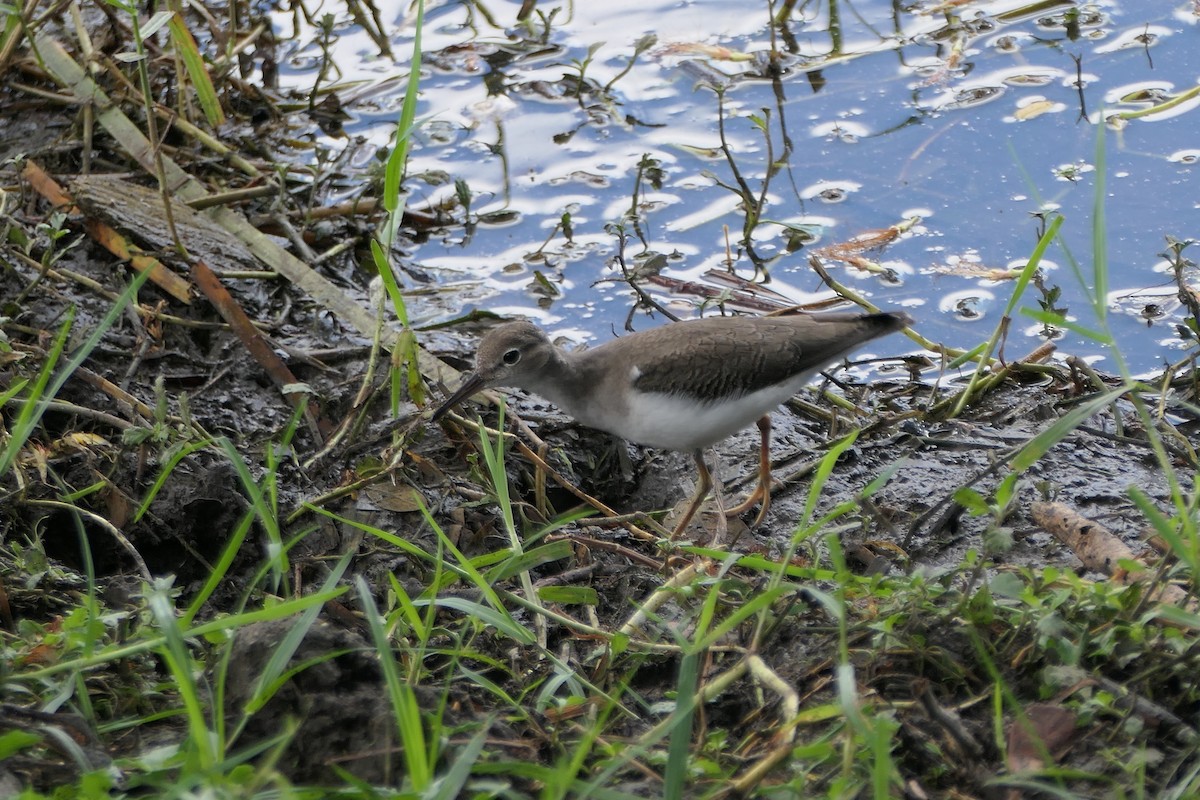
(675, 422)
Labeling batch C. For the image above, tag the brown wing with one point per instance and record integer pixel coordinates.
(730, 356)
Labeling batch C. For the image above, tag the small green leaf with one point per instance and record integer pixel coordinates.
(569, 595)
(1007, 584)
(975, 503)
(14, 742)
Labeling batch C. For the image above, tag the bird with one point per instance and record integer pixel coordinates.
(682, 386)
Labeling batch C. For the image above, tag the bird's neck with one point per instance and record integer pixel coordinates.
(560, 380)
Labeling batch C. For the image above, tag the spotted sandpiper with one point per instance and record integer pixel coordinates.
(682, 386)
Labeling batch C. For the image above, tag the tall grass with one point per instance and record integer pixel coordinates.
(405, 363)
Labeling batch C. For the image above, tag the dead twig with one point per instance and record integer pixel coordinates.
(1101, 550)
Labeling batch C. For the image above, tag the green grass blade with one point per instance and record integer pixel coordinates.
(35, 404)
(450, 786)
(277, 664)
(403, 699)
(168, 468)
(1039, 445)
(679, 746)
(193, 62)
(182, 667)
(262, 509)
(501, 621)
(1100, 234)
(43, 394)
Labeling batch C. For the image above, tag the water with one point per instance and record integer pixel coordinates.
(960, 124)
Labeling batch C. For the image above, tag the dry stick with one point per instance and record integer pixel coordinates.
(947, 508)
(232, 197)
(104, 385)
(63, 274)
(1182, 447)
(788, 713)
(611, 547)
(633, 643)
(568, 578)
(88, 52)
(948, 719)
(1101, 550)
(345, 489)
(633, 625)
(122, 396)
(748, 299)
(232, 156)
(1097, 382)
(294, 236)
(609, 514)
(540, 501)
(241, 44)
(258, 348)
(79, 411)
(151, 145)
(1126, 700)
(361, 398)
(108, 526)
(610, 517)
(16, 32)
(146, 339)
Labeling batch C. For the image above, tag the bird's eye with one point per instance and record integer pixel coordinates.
(512, 356)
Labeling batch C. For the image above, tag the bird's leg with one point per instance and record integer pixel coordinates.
(763, 490)
(702, 486)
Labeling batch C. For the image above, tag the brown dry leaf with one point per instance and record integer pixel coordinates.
(391, 497)
(81, 442)
(37, 457)
(120, 507)
(1050, 729)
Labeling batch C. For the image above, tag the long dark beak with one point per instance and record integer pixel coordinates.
(471, 384)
